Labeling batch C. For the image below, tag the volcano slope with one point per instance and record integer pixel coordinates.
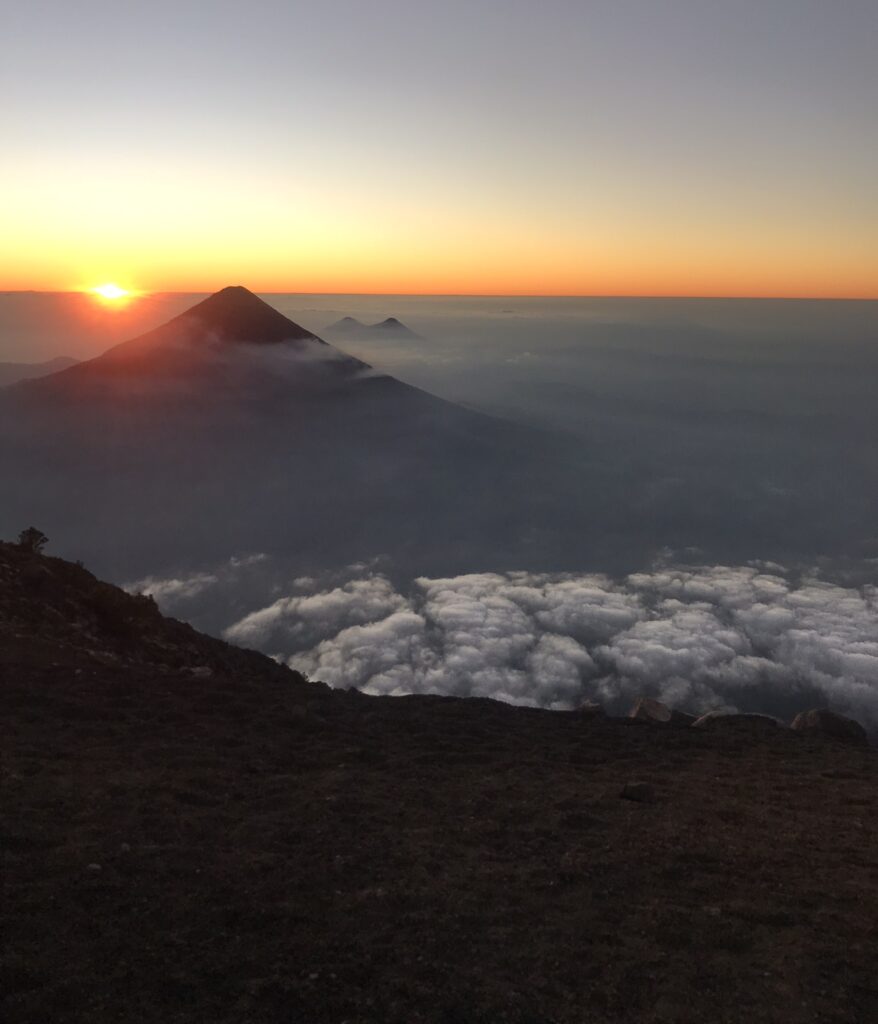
(231, 429)
(191, 832)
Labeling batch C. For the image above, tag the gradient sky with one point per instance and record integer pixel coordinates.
(698, 147)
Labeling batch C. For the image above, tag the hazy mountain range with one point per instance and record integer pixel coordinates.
(351, 326)
(11, 373)
(231, 428)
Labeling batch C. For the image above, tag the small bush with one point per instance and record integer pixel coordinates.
(32, 540)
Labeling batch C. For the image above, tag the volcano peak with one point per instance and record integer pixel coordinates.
(235, 314)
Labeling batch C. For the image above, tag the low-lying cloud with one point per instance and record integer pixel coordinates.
(306, 618)
(750, 638)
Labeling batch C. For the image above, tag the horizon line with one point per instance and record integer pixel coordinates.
(472, 295)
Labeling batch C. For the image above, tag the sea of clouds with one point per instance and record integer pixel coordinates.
(752, 637)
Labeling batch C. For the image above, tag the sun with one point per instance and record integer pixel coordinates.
(111, 292)
(111, 295)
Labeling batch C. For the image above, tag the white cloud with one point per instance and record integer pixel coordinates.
(170, 591)
(304, 618)
(741, 637)
(381, 657)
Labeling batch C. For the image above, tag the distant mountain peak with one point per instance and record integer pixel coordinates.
(235, 314)
(347, 323)
(392, 325)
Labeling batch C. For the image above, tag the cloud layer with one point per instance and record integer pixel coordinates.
(747, 638)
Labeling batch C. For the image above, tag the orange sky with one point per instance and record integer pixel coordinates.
(453, 258)
(661, 149)
(150, 234)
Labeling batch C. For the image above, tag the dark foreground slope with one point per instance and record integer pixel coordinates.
(192, 833)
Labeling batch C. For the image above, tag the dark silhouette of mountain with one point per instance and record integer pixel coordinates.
(185, 824)
(236, 315)
(226, 341)
(393, 326)
(351, 326)
(231, 429)
(11, 373)
(347, 324)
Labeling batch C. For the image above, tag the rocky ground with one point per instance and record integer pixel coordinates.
(192, 833)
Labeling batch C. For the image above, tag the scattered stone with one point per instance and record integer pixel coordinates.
(649, 710)
(105, 658)
(94, 868)
(201, 672)
(125, 848)
(591, 709)
(828, 723)
(641, 792)
(734, 721)
(35, 575)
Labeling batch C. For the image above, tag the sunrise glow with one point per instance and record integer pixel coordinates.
(633, 158)
(111, 295)
(111, 292)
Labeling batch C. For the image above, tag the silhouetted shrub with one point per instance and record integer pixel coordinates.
(32, 540)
